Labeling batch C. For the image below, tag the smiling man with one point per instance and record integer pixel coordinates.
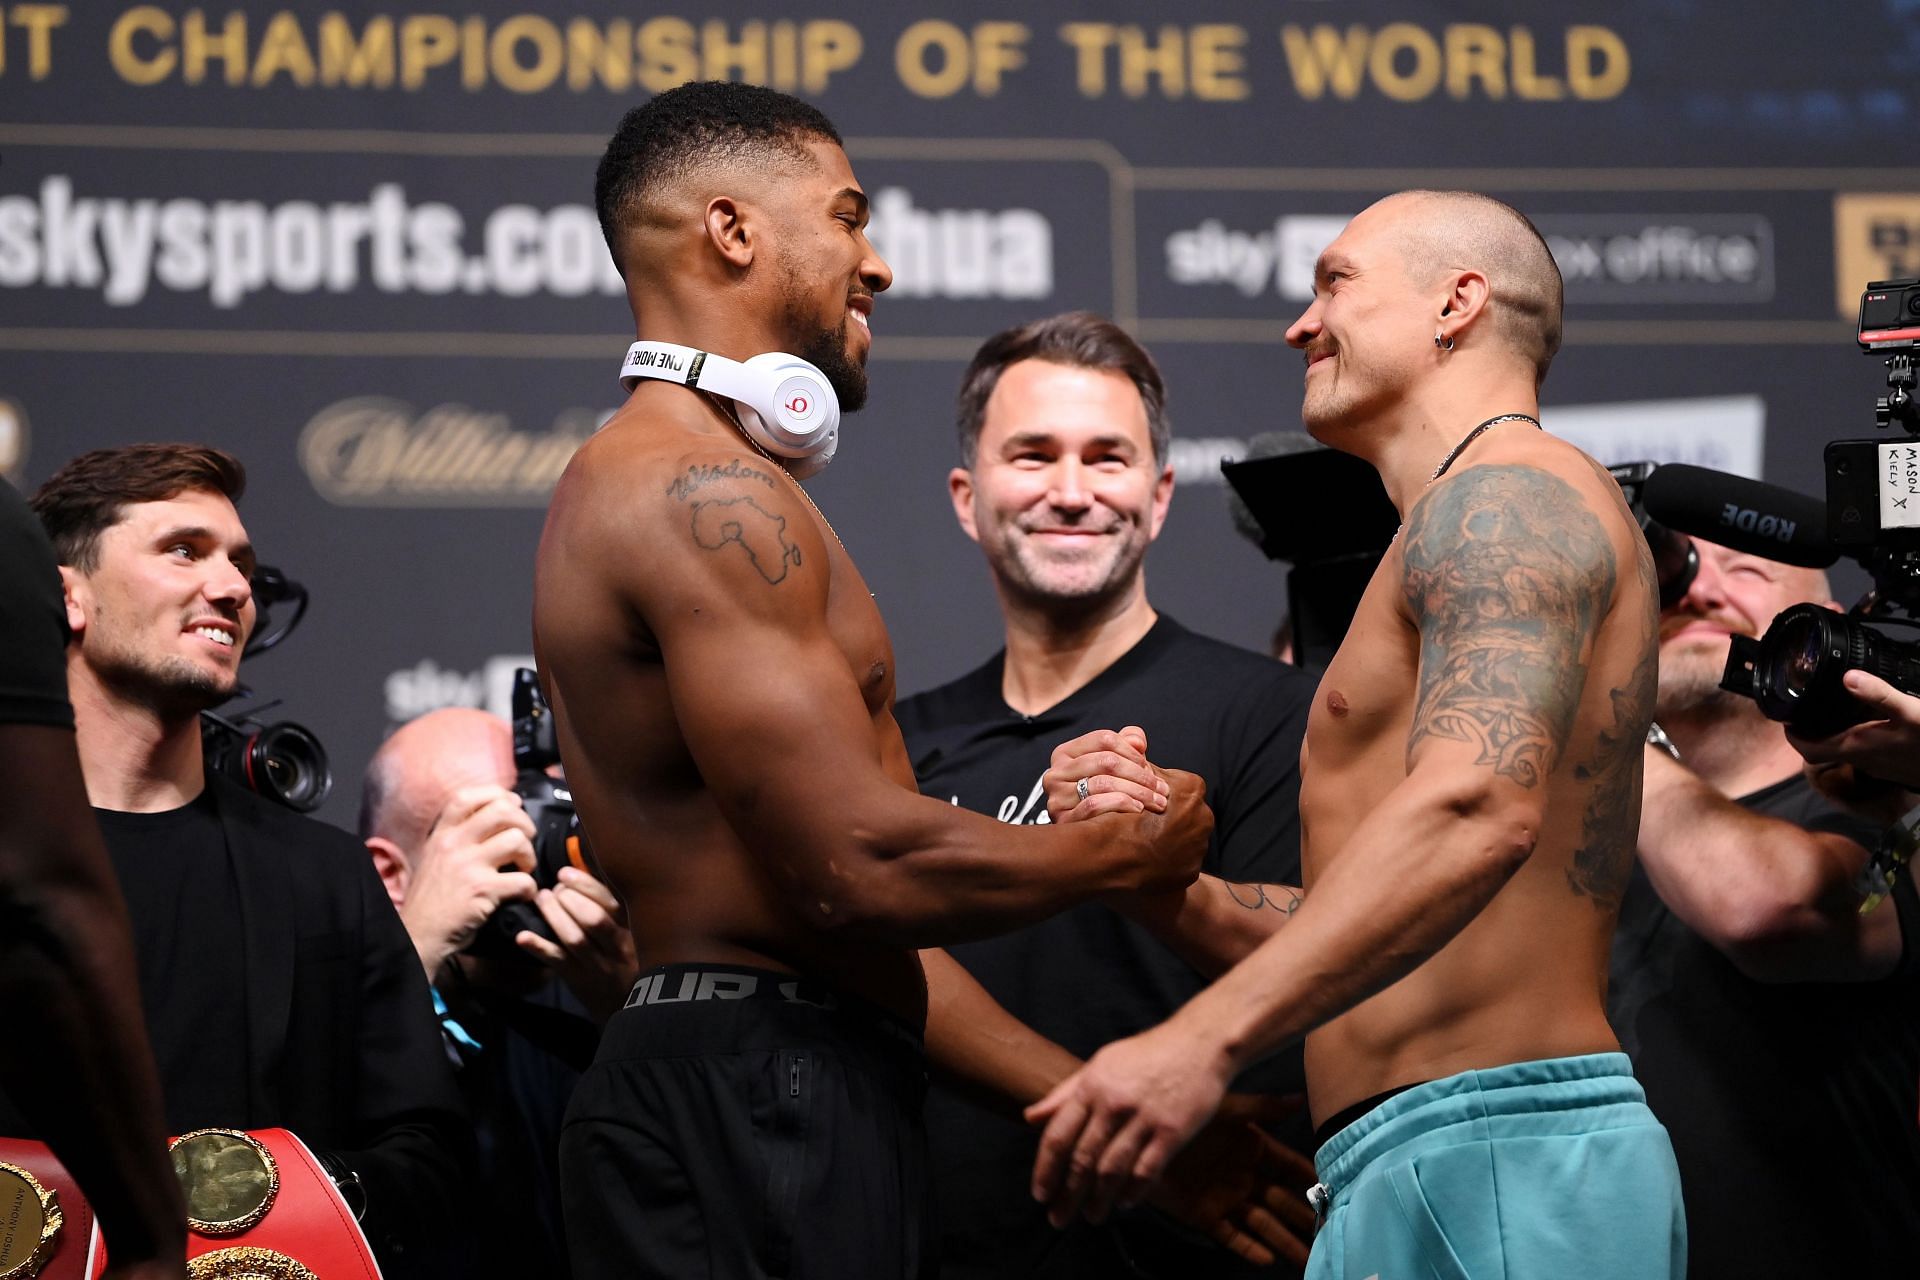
(1762, 1011)
(1468, 807)
(1065, 483)
(722, 685)
(279, 987)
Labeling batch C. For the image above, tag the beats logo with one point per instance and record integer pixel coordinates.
(798, 406)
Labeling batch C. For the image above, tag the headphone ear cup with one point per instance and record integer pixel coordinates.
(794, 402)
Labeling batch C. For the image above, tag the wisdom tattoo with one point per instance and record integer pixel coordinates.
(1507, 574)
(759, 532)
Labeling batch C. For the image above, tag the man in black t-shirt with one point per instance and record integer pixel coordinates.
(75, 1052)
(1065, 483)
(278, 985)
(1775, 1028)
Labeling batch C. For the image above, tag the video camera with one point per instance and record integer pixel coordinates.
(1872, 514)
(557, 841)
(283, 761)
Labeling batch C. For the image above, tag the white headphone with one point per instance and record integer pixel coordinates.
(786, 406)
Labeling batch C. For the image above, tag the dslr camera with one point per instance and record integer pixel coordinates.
(1873, 515)
(557, 841)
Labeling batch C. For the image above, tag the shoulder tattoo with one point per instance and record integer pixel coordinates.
(1508, 576)
(757, 531)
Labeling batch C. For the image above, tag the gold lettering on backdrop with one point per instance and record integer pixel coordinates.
(283, 48)
(931, 58)
(356, 63)
(198, 46)
(38, 21)
(523, 53)
(129, 60)
(373, 451)
(426, 41)
(1876, 236)
(1407, 62)
(1205, 60)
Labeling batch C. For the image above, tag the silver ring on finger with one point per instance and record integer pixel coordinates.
(1082, 788)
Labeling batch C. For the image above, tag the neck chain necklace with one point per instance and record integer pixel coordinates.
(1473, 435)
(726, 408)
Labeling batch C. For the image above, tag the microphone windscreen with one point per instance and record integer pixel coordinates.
(1746, 515)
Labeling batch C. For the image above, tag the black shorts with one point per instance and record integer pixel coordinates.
(741, 1123)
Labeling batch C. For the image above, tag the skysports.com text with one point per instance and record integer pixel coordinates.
(230, 249)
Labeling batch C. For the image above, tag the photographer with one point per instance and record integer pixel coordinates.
(453, 843)
(1754, 997)
(278, 986)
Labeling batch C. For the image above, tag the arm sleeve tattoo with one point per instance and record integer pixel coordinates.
(1508, 575)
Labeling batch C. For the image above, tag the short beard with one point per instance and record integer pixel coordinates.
(1690, 686)
(826, 351)
(172, 688)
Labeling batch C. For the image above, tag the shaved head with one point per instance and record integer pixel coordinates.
(412, 775)
(1464, 230)
(696, 129)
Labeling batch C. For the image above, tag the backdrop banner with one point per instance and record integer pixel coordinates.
(358, 249)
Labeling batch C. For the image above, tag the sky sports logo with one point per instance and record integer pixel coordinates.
(127, 249)
(231, 249)
(1604, 258)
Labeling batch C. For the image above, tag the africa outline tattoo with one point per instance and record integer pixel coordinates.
(1508, 575)
(759, 532)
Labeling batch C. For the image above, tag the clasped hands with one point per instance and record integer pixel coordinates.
(1149, 1117)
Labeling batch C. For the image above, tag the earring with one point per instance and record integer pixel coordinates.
(1444, 342)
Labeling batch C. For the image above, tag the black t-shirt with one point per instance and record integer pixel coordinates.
(1087, 976)
(185, 907)
(33, 621)
(1794, 1107)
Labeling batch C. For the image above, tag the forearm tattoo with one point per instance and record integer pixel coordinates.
(1264, 897)
(718, 522)
(1508, 575)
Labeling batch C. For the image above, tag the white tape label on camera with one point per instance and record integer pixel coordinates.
(1900, 486)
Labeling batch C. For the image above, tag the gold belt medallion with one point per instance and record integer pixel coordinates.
(30, 1223)
(245, 1262)
(230, 1180)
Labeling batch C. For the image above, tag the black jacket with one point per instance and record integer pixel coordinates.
(341, 1045)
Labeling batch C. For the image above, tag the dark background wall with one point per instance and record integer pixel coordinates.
(354, 245)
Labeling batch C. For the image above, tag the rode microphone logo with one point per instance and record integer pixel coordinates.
(1758, 523)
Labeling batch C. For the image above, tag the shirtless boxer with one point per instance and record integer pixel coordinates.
(1469, 804)
(722, 685)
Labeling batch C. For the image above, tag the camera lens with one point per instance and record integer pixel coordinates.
(1800, 655)
(288, 764)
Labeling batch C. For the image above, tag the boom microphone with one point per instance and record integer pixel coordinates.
(1746, 515)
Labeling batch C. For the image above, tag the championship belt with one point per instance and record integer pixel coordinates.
(259, 1207)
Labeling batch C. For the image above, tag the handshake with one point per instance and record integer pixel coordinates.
(1107, 772)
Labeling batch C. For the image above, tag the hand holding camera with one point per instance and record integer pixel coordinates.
(1887, 747)
(478, 855)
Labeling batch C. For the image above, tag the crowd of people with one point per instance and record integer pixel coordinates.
(1563, 944)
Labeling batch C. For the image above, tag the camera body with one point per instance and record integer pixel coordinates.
(557, 843)
(282, 761)
(1873, 514)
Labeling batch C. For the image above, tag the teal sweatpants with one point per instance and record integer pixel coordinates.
(1533, 1171)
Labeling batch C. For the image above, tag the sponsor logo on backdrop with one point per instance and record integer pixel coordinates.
(1655, 258)
(124, 248)
(961, 253)
(1683, 258)
(1726, 433)
(1277, 259)
(13, 438)
(1875, 237)
(428, 686)
(376, 451)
